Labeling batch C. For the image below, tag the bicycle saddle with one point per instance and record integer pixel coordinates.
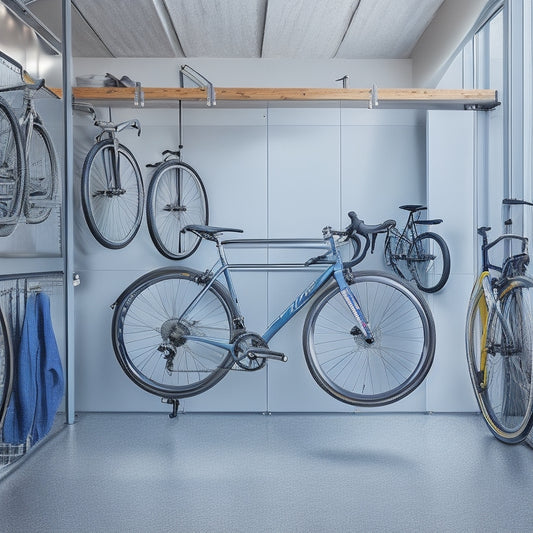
(208, 232)
(429, 222)
(413, 207)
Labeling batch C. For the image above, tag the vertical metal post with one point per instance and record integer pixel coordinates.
(68, 219)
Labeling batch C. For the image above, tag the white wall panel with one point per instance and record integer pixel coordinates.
(382, 168)
(303, 180)
(451, 197)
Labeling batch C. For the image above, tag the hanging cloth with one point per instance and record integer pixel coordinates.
(39, 384)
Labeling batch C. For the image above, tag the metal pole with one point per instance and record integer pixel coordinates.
(68, 202)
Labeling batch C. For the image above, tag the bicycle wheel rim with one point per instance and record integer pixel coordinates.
(176, 198)
(148, 316)
(393, 246)
(505, 393)
(42, 176)
(429, 261)
(12, 170)
(375, 374)
(6, 367)
(113, 214)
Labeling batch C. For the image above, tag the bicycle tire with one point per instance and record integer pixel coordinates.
(12, 170)
(371, 375)
(113, 214)
(176, 198)
(43, 179)
(146, 323)
(506, 399)
(6, 367)
(429, 261)
(391, 258)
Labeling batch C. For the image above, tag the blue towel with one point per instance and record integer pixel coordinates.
(38, 386)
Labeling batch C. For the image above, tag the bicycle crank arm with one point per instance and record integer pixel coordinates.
(265, 353)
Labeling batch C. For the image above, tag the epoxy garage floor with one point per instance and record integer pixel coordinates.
(278, 473)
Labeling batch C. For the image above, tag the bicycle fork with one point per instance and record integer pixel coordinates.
(362, 326)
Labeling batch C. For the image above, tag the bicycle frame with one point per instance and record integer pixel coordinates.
(489, 305)
(334, 270)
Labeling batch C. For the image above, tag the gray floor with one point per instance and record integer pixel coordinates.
(279, 473)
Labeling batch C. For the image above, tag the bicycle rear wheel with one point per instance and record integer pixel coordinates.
(393, 252)
(176, 198)
(429, 261)
(113, 213)
(42, 176)
(12, 170)
(149, 323)
(504, 391)
(6, 367)
(358, 373)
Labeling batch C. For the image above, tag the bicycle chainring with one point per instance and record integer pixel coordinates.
(245, 358)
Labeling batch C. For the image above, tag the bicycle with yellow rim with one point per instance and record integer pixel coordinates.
(499, 336)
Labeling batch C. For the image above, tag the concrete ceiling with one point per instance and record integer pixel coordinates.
(299, 29)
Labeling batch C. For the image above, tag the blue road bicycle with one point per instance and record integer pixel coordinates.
(368, 338)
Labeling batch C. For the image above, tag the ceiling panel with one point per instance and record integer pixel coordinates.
(85, 43)
(387, 28)
(300, 29)
(306, 28)
(218, 28)
(129, 28)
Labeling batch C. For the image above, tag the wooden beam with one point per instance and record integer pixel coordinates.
(482, 97)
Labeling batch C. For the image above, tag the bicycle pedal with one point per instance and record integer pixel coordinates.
(266, 354)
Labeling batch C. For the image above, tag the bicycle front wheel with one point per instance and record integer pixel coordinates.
(429, 261)
(500, 352)
(112, 202)
(150, 320)
(390, 368)
(12, 170)
(6, 367)
(176, 198)
(42, 176)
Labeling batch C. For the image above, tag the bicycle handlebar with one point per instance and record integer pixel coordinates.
(368, 231)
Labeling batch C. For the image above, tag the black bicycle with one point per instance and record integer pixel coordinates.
(176, 198)
(112, 190)
(422, 257)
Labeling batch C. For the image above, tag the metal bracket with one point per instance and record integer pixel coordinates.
(373, 101)
(199, 81)
(344, 80)
(138, 98)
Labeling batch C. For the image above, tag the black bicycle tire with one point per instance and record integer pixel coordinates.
(445, 260)
(7, 371)
(151, 216)
(389, 258)
(425, 359)
(492, 421)
(121, 307)
(15, 210)
(87, 211)
(54, 177)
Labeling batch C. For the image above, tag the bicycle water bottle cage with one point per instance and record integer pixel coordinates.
(516, 265)
(413, 207)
